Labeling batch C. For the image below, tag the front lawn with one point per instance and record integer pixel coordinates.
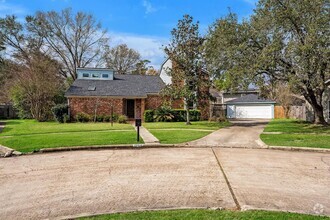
(205, 125)
(179, 132)
(296, 133)
(208, 214)
(295, 126)
(29, 135)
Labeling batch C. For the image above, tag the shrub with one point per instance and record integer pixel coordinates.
(122, 119)
(107, 118)
(180, 115)
(59, 111)
(195, 115)
(83, 117)
(149, 115)
(170, 115)
(99, 118)
(66, 118)
(163, 114)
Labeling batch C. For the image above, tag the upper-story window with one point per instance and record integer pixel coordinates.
(85, 75)
(95, 75)
(105, 75)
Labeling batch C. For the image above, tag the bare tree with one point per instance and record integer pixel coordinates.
(121, 59)
(76, 40)
(35, 86)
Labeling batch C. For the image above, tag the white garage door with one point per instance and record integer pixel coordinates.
(251, 111)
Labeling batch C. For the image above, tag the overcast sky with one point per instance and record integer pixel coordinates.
(144, 25)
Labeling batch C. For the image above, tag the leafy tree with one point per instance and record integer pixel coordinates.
(284, 41)
(151, 71)
(75, 40)
(185, 52)
(121, 59)
(141, 67)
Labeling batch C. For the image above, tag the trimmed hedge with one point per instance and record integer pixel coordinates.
(179, 115)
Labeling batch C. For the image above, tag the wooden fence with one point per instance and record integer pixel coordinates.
(295, 112)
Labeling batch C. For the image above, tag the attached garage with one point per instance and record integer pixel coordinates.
(250, 106)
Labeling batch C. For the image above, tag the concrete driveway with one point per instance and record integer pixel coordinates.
(67, 184)
(242, 133)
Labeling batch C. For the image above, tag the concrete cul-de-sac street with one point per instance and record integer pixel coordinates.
(80, 183)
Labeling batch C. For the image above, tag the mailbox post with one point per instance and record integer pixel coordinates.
(138, 123)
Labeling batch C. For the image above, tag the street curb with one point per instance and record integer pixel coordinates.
(101, 147)
(146, 146)
(303, 149)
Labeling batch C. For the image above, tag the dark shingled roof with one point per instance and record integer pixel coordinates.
(121, 86)
(251, 98)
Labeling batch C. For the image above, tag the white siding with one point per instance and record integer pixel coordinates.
(164, 72)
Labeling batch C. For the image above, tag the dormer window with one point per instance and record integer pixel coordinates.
(95, 75)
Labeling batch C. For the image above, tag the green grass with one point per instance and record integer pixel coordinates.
(178, 136)
(21, 127)
(29, 135)
(296, 133)
(179, 132)
(208, 214)
(295, 126)
(205, 125)
(297, 140)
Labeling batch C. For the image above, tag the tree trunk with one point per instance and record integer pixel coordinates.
(187, 113)
(318, 113)
(315, 100)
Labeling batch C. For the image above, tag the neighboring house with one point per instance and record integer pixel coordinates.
(250, 106)
(100, 90)
(164, 69)
(222, 97)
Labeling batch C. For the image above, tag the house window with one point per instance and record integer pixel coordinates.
(85, 75)
(105, 75)
(95, 75)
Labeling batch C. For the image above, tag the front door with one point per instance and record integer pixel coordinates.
(130, 104)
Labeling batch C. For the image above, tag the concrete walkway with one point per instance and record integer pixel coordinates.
(147, 137)
(68, 184)
(242, 133)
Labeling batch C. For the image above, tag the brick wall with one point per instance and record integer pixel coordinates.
(153, 102)
(138, 110)
(87, 105)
